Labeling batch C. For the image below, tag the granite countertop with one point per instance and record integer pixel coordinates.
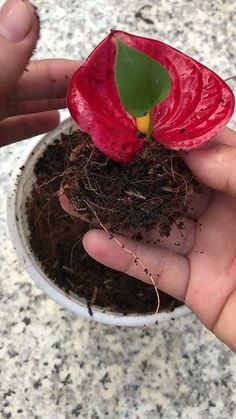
(55, 365)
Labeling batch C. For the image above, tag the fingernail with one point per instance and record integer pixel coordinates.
(16, 20)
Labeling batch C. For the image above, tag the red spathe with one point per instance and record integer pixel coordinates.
(199, 105)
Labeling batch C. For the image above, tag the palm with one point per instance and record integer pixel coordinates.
(210, 247)
(213, 260)
(201, 270)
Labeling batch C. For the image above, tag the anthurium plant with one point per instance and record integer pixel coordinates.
(138, 104)
(131, 89)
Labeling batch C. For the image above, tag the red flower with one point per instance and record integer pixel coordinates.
(198, 107)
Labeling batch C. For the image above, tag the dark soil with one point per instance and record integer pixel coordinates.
(145, 192)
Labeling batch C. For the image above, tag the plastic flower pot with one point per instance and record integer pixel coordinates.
(22, 185)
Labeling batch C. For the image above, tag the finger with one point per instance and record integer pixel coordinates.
(46, 79)
(22, 127)
(68, 205)
(215, 166)
(226, 136)
(36, 106)
(19, 28)
(169, 270)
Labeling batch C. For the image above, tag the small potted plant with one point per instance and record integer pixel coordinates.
(138, 105)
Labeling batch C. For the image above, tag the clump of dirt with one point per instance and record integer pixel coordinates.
(55, 236)
(156, 188)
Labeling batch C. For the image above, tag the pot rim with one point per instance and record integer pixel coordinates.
(17, 225)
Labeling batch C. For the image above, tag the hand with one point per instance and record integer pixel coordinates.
(204, 277)
(29, 93)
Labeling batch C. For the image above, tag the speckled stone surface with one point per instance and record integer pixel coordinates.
(57, 366)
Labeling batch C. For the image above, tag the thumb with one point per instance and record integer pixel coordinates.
(215, 166)
(19, 31)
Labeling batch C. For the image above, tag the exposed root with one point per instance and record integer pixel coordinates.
(46, 182)
(137, 260)
(44, 208)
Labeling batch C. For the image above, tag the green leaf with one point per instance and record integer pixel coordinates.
(141, 81)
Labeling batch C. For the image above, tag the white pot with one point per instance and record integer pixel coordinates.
(22, 183)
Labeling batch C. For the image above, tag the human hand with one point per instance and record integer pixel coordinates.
(29, 94)
(203, 272)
